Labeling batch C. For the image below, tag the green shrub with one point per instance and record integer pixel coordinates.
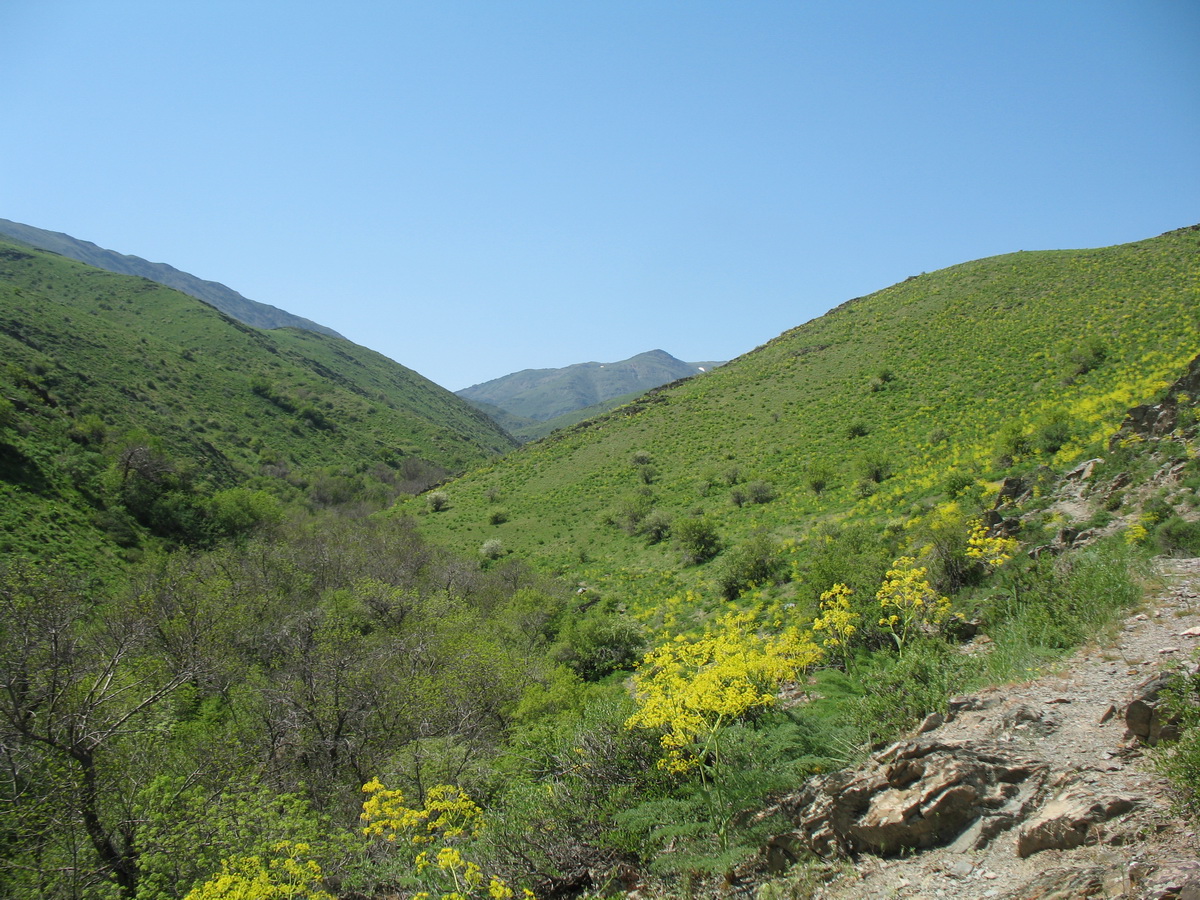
(757, 561)
(656, 527)
(598, 642)
(1178, 536)
(818, 477)
(874, 467)
(697, 539)
(1051, 435)
(761, 492)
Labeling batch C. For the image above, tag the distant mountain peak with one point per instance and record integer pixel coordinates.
(540, 395)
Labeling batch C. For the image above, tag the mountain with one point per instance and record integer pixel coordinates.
(229, 301)
(113, 383)
(944, 383)
(540, 395)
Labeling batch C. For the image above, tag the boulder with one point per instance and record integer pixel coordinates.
(1070, 820)
(918, 793)
(1146, 716)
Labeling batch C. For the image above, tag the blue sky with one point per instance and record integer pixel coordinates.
(473, 188)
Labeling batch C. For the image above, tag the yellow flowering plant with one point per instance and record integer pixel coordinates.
(992, 551)
(287, 873)
(447, 819)
(838, 621)
(908, 601)
(693, 688)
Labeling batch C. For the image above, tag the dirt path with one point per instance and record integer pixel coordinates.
(1072, 720)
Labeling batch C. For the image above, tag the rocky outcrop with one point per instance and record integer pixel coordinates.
(1036, 790)
(1070, 820)
(916, 794)
(1156, 419)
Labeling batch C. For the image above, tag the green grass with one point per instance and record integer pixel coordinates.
(934, 370)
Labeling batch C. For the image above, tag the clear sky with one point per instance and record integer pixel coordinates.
(474, 188)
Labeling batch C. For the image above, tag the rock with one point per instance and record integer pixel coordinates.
(1146, 716)
(1083, 471)
(1069, 820)
(959, 868)
(1023, 717)
(1074, 882)
(957, 705)
(919, 793)
(1176, 879)
(931, 722)
(1011, 488)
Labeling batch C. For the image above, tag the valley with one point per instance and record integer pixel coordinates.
(280, 616)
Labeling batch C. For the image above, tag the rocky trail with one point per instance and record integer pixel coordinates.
(1032, 791)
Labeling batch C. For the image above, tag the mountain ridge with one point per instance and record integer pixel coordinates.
(103, 368)
(224, 298)
(550, 394)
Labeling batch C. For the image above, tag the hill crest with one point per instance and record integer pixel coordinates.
(226, 299)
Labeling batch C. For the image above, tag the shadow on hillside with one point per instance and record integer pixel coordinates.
(17, 468)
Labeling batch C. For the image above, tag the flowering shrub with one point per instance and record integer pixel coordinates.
(692, 688)
(838, 621)
(993, 552)
(909, 601)
(448, 818)
(287, 873)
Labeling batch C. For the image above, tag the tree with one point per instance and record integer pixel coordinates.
(76, 685)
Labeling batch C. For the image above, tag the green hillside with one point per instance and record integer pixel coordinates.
(97, 365)
(229, 301)
(924, 389)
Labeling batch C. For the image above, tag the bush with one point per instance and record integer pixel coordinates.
(874, 468)
(760, 492)
(1052, 434)
(631, 510)
(1178, 536)
(597, 643)
(818, 477)
(656, 527)
(1083, 359)
(491, 549)
(697, 539)
(757, 561)
(437, 500)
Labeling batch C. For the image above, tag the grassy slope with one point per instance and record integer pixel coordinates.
(969, 349)
(142, 356)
